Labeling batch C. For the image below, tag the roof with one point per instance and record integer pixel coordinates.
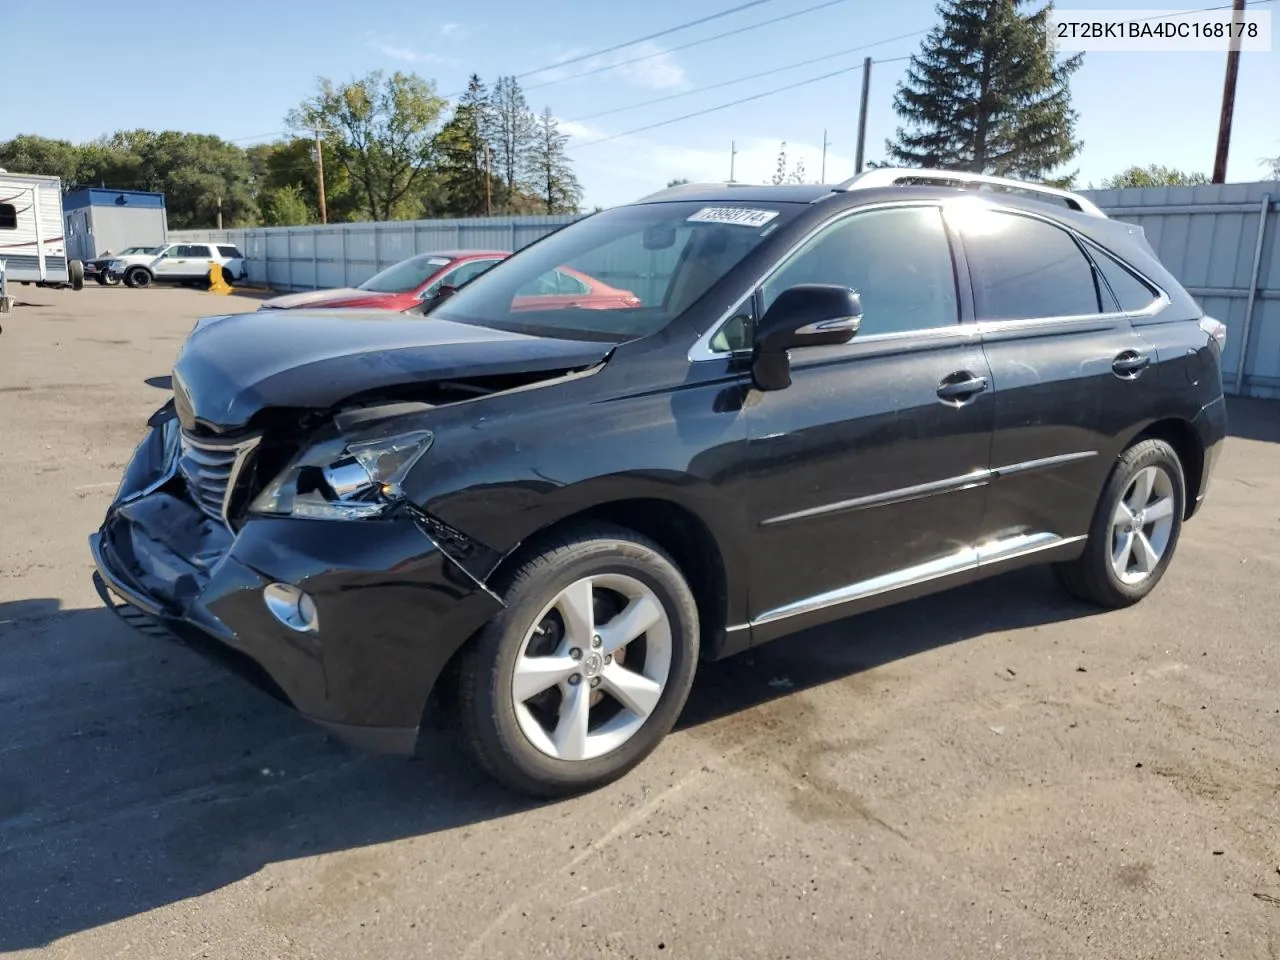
(750, 192)
(458, 254)
(106, 197)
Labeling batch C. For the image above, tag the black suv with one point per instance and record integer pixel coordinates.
(827, 400)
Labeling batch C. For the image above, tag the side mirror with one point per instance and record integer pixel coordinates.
(807, 315)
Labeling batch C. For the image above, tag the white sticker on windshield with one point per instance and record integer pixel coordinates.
(739, 216)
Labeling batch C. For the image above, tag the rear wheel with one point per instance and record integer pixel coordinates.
(228, 277)
(137, 277)
(1135, 528)
(75, 273)
(587, 667)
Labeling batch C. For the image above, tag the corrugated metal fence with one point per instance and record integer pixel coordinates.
(1219, 240)
(345, 254)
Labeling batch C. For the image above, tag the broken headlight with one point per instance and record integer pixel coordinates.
(341, 480)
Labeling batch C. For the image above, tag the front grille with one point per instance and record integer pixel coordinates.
(212, 470)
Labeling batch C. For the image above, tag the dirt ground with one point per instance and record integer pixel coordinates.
(995, 771)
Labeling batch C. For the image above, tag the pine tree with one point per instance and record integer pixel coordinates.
(985, 94)
(557, 183)
(514, 136)
(461, 149)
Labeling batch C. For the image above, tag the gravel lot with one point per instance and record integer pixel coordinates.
(996, 771)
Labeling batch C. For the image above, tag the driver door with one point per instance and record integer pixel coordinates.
(868, 472)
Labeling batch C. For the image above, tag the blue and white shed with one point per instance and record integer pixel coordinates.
(100, 219)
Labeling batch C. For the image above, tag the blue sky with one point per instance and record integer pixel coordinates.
(201, 69)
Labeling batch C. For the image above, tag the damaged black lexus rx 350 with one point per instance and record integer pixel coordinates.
(826, 400)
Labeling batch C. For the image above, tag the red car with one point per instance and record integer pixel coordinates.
(420, 278)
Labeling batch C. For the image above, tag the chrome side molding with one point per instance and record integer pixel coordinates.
(970, 558)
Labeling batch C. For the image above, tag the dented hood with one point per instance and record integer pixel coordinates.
(232, 367)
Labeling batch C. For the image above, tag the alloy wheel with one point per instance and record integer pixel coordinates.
(1141, 525)
(593, 667)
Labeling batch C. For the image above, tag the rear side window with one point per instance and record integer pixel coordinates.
(190, 250)
(1131, 293)
(8, 216)
(1025, 269)
(231, 252)
(898, 260)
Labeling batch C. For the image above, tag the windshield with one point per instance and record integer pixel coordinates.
(617, 275)
(404, 276)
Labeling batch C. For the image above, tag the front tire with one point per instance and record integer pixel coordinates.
(137, 277)
(1135, 529)
(587, 667)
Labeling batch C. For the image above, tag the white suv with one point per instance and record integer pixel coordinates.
(182, 263)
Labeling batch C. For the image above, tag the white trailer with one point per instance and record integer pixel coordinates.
(32, 246)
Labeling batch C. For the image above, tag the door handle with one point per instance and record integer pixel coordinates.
(961, 386)
(1129, 364)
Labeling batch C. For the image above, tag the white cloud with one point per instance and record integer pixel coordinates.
(397, 51)
(658, 70)
(449, 29)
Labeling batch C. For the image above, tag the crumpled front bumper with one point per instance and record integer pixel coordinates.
(392, 608)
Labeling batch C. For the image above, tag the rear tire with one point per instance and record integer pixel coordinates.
(228, 277)
(75, 273)
(137, 277)
(1135, 529)
(587, 667)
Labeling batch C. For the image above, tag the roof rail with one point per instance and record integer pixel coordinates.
(906, 176)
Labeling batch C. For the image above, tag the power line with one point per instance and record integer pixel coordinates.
(652, 36)
(753, 76)
(733, 103)
(686, 46)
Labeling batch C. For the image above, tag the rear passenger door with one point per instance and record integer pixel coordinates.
(1068, 368)
(868, 471)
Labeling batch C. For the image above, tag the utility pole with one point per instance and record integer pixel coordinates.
(324, 214)
(733, 153)
(825, 143)
(488, 180)
(219, 213)
(862, 114)
(1228, 95)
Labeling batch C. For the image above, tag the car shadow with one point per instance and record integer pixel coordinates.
(133, 774)
(1253, 419)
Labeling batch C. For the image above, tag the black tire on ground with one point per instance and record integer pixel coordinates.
(109, 280)
(75, 273)
(228, 277)
(137, 277)
(1092, 576)
(102, 279)
(488, 663)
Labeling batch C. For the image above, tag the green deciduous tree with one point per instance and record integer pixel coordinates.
(557, 184)
(285, 207)
(382, 129)
(678, 182)
(1153, 175)
(985, 94)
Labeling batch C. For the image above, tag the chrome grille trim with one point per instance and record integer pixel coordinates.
(211, 471)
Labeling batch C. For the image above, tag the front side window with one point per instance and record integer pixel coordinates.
(8, 216)
(898, 260)
(404, 276)
(1025, 269)
(190, 251)
(619, 274)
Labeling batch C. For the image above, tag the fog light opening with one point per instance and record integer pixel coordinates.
(292, 607)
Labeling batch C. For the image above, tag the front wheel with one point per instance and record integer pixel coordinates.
(137, 277)
(1135, 528)
(587, 667)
